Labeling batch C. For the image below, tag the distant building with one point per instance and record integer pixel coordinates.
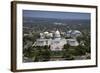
(73, 33)
(46, 35)
(54, 40)
(72, 42)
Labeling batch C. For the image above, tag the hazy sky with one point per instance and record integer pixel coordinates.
(54, 14)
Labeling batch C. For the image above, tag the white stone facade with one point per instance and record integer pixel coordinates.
(56, 43)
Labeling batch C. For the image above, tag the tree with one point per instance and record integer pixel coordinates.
(46, 53)
(80, 50)
(35, 36)
(29, 53)
(68, 52)
(66, 46)
(42, 53)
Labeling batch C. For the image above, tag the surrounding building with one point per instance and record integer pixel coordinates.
(72, 42)
(73, 33)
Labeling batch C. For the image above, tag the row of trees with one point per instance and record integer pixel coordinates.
(70, 52)
(37, 53)
(43, 53)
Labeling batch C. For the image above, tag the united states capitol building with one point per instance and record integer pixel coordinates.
(55, 41)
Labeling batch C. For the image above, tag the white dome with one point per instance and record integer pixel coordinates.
(57, 32)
